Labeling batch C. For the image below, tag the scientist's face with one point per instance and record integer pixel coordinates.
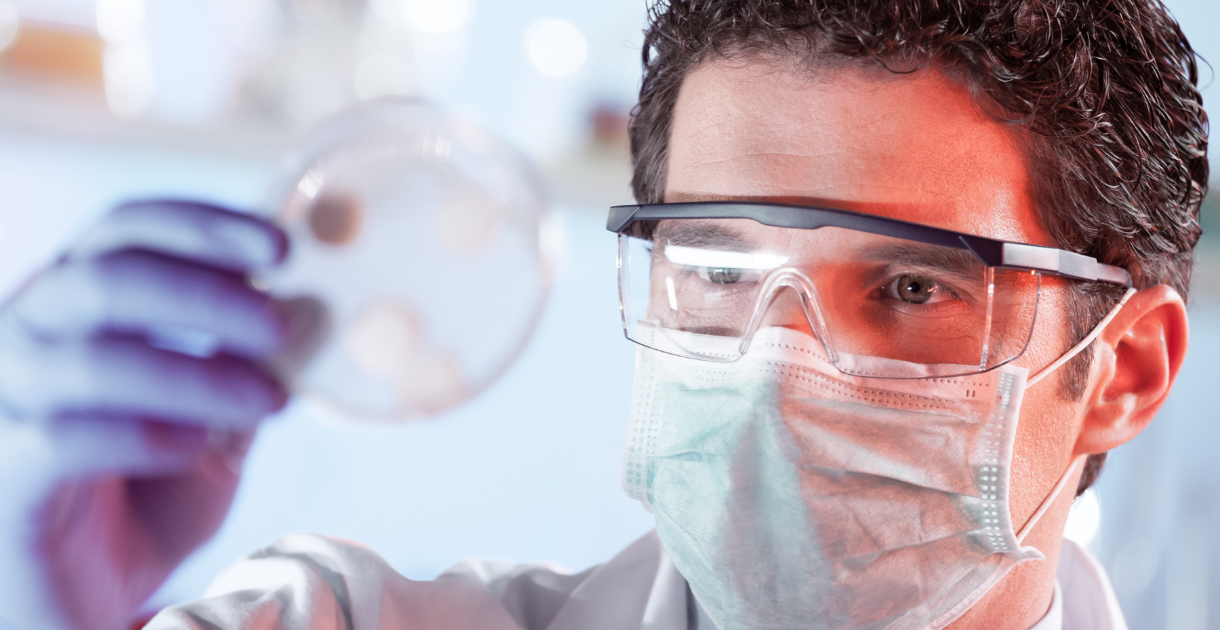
(914, 148)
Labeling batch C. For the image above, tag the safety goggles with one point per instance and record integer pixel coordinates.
(933, 301)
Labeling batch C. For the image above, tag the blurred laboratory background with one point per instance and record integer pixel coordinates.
(107, 100)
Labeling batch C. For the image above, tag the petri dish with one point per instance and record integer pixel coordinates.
(419, 242)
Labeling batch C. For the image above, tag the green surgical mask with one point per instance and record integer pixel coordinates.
(790, 495)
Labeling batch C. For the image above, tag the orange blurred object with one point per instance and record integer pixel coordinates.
(57, 53)
(610, 126)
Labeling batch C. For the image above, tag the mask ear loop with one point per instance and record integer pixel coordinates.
(1049, 500)
(1090, 338)
(1067, 356)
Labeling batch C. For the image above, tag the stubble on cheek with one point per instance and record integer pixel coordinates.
(1049, 421)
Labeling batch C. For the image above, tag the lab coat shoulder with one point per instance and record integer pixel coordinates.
(311, 582)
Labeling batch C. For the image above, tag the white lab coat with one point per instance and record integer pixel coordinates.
(308, 582)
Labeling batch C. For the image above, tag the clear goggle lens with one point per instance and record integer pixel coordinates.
(935, 310)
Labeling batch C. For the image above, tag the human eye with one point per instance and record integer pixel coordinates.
(722, 267)
(724, 275)
(918, 289)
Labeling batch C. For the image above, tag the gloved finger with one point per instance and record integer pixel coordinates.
(128, 378)
(139, 292)
(83, 445)
(186, 229)
(40, 455)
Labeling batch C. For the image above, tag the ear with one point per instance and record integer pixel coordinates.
(1136, 360)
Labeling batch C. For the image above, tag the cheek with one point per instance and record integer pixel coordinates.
(1043, 449)
(1049, 423)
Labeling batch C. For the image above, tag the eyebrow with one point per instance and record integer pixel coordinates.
(957, 261)
(703, 234)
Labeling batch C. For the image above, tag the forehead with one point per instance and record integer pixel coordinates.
(912, 147)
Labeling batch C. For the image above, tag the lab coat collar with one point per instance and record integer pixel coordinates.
(1089, 602)
(639, 587)
(1084, 599)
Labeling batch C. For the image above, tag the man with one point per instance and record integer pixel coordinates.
(895, 220)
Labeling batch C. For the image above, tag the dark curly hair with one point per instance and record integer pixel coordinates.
(1102, 93)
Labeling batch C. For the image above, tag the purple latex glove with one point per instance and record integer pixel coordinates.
(130, 387)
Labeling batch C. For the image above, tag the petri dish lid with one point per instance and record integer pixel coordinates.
(421, 242)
